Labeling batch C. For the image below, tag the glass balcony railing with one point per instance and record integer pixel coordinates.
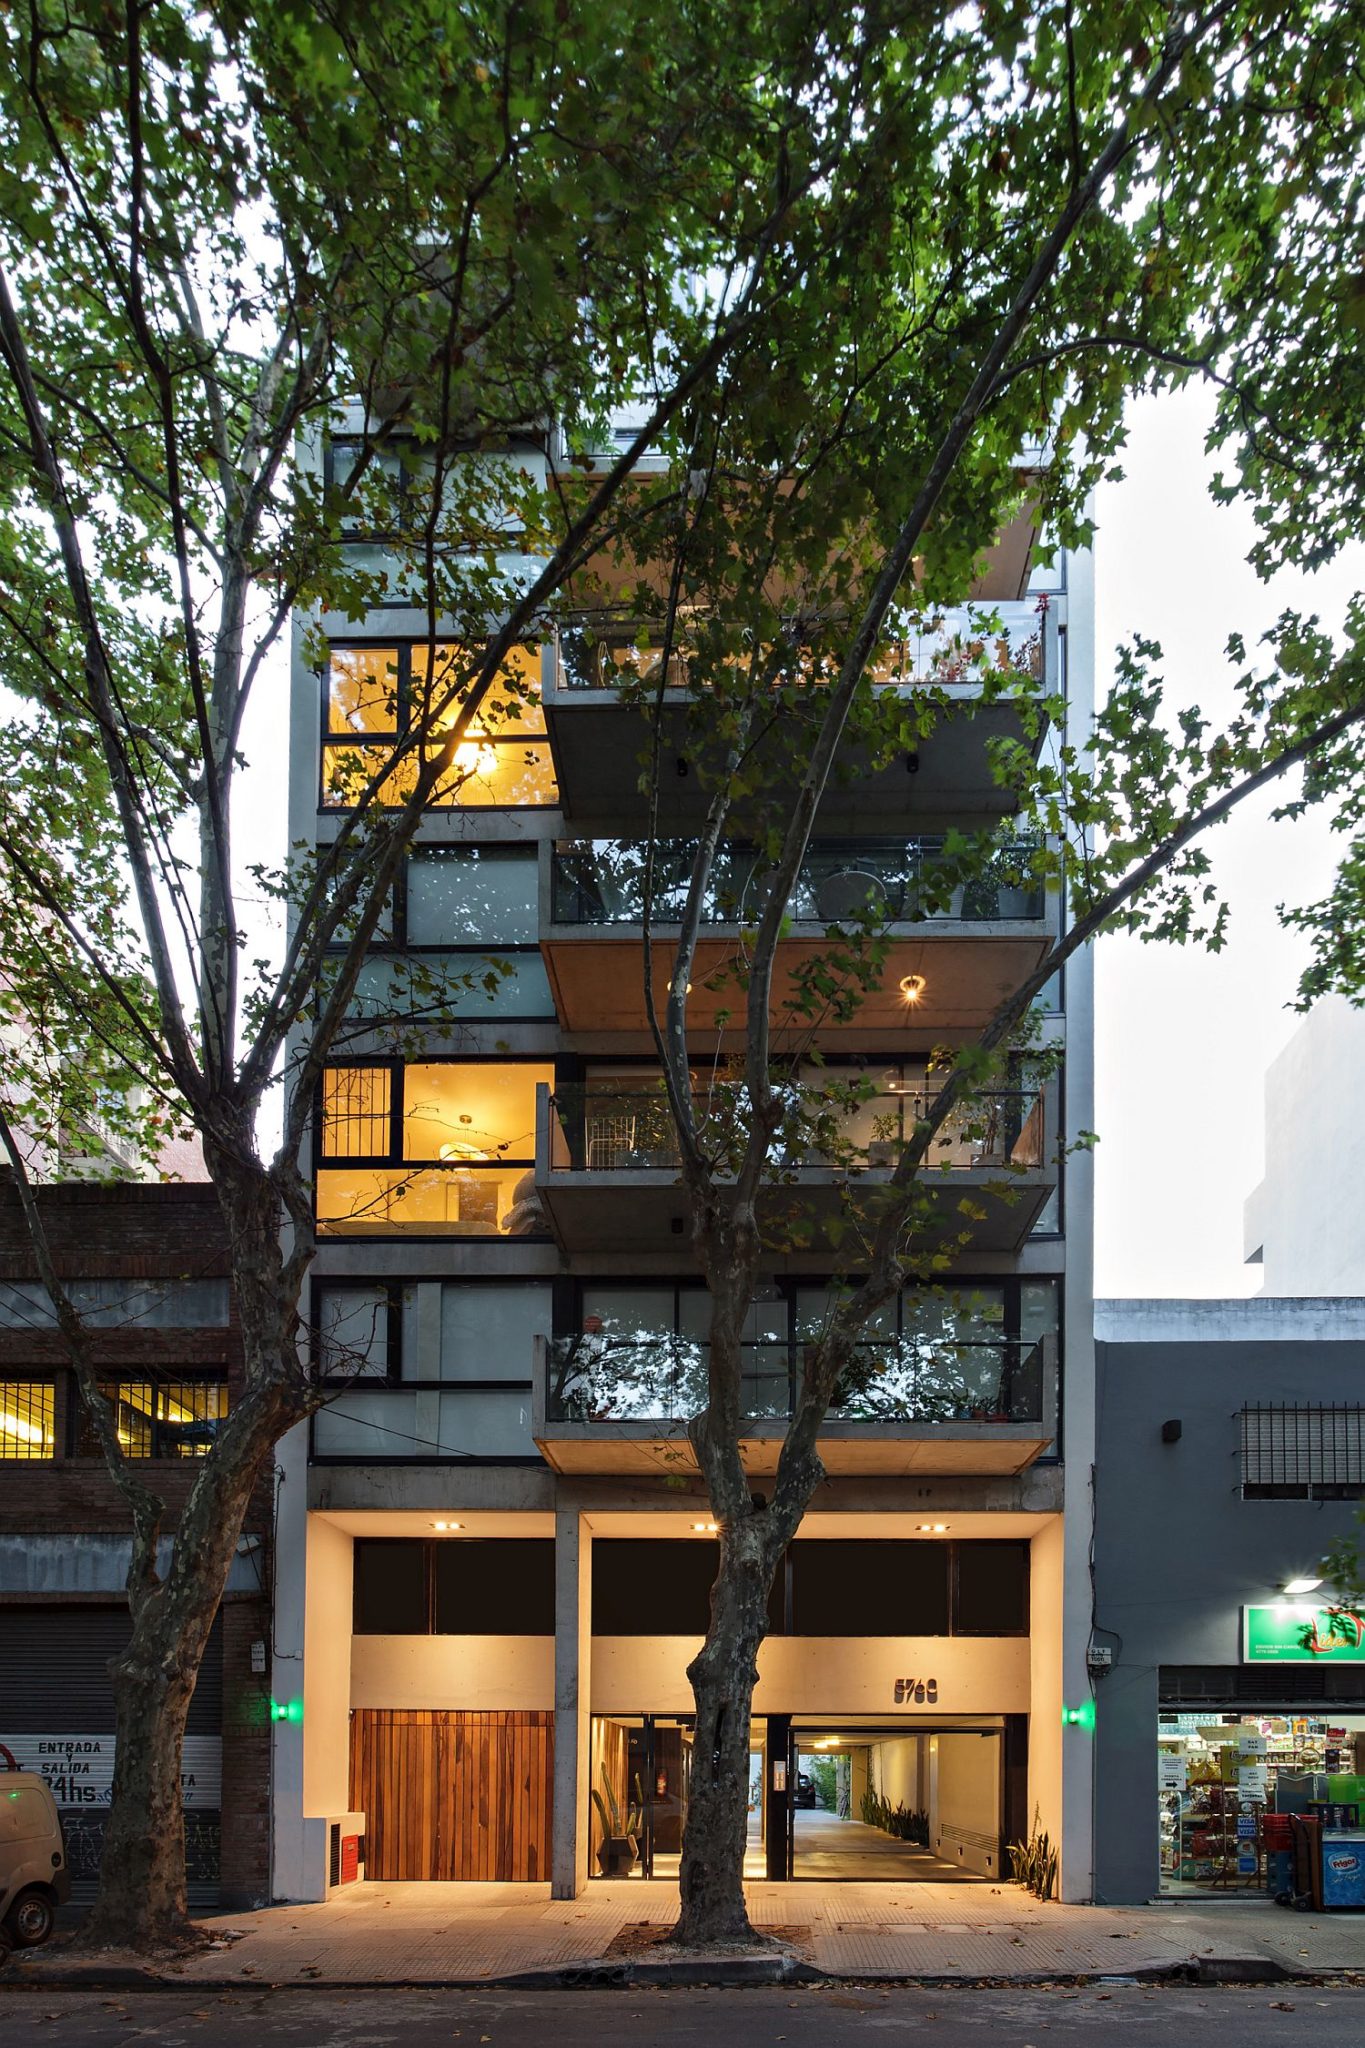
(596, 1130)
(605, 881)
(655, 1377)
(955, 649)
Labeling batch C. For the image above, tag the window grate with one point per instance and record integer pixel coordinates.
(26, 1419)
(1293, 1452)
(356, 1113)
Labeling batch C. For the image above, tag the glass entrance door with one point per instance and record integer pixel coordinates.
(640, 1779)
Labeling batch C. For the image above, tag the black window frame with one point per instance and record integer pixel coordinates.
(329, 741)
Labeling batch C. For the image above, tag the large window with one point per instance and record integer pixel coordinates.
(460, 938)
(27, 1419)
(429, 1371)
(386, 710)
(158, 1419)
(985, 1351)
(446, 1149)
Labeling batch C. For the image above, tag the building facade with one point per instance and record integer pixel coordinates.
(1231, 1453)
(495, 1548)
(1303, 1226)
(148, 1266)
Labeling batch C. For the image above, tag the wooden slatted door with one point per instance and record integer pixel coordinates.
(453, 1796)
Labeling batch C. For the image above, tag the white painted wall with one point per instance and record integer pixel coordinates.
(327, 1671)
(464, 1674)
(822, 1674)
(964, 1801)
(1047, 1558)
(1306, 1219)
(895, 1771)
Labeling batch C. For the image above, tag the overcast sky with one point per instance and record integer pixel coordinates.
(1184, 1036)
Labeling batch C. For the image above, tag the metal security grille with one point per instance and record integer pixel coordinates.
(356, 1113)
(27, 1408)
(1260, 1685)
(1302, 1453)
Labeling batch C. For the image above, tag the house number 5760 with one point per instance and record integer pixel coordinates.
(915, 1692)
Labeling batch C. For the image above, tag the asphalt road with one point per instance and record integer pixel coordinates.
(824, 2017)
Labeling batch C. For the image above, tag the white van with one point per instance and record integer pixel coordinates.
(34, 1879)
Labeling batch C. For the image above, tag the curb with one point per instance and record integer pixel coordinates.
(723, 1973)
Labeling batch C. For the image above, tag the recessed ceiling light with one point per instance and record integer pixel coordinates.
(1303, 1586)
(706, 1528)
(444, 1526)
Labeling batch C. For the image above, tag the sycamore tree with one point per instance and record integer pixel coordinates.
(1082, 209)
(302, 308)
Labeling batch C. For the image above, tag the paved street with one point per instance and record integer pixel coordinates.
(823, 2017)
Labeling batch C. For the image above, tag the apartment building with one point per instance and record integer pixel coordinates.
(147, 1265)
(495, 1547)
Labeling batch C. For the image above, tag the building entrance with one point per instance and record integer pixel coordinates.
(827, 1799)
(640, 1780)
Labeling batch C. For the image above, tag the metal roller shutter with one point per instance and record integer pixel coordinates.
(54, 1682)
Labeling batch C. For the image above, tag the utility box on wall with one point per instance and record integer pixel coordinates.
(345, 1850)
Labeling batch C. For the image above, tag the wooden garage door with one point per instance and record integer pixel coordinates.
(453, 1795)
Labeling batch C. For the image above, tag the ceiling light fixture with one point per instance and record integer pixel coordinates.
(445, 1527)
(912, 987)
(1302, 1586)
(706, 1528)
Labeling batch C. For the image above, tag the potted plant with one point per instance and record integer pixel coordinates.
(620, 1843)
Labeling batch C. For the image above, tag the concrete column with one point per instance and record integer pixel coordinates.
(573, 1703)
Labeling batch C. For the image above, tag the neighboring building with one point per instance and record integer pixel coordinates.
(494, 1545)
(1305, 1223)
(1231, 1452)
(148, 1266)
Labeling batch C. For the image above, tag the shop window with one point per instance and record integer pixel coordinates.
(460, 1147)
(868, 1588)
(27, 1419)
(156, 1419)
(494, 1588)
(379, 700)
(390, 1588)
(1294, 1453)
(990, 1589)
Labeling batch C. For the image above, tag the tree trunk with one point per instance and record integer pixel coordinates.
(141, 1902)
(723, 1676)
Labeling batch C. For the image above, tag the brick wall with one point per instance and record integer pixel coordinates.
(147, 1233)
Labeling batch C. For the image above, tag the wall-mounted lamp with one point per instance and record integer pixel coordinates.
(1172, 1431)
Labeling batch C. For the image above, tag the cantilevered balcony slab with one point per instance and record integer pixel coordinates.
(599, 743)
(607, 1178)
(579, 1429)
(598, 980)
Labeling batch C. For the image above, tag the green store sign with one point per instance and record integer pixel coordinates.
(1301, 1635)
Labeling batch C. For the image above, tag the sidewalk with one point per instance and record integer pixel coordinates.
(426, 1934)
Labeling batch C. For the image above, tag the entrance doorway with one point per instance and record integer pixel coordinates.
(640, 1779)
(891, 1803)
(827, 1799)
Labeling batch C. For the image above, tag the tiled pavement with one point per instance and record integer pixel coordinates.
(423, 1934)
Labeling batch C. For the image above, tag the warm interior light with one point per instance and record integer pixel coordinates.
(447, 1525)
(670, 988)
(912, 987)
(1302, 1586)
(706, 1528)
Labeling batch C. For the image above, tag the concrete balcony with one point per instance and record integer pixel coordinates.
(621, 1404)
(966, 946)
(607, 1172)
(597, 736)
